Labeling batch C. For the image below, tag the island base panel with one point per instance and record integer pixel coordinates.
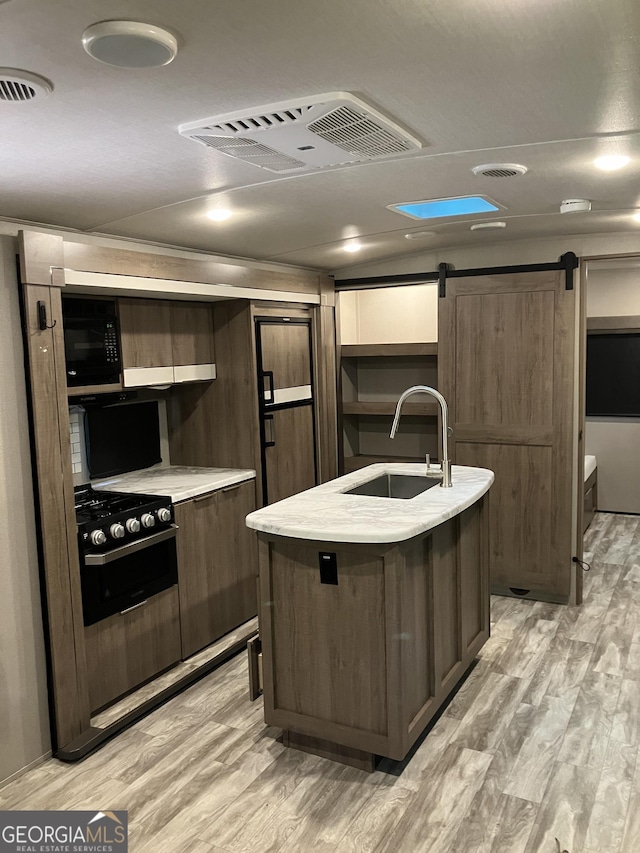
(366, 663)
(328, 749)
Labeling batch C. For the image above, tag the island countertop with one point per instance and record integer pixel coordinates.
(178, 482)
(326, 514)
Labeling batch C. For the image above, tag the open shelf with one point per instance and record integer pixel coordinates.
(378, 350)
(360, 407)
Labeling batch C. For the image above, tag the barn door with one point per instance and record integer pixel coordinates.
(506, 368)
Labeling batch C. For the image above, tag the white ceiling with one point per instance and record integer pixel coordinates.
(550, 84)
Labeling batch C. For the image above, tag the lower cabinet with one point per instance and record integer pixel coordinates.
(217, 564)
(129, 648)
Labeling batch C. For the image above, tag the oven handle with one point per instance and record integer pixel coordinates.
(130, 547)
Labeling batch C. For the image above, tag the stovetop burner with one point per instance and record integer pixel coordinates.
(105, 518)
(92, 505)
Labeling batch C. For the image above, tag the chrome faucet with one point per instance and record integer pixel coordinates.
(444, 419)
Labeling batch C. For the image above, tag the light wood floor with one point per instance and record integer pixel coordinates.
(540, 743)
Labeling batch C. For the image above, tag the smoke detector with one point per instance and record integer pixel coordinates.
(575, 205)
(499, 170)
(305, 134)
(17, 85)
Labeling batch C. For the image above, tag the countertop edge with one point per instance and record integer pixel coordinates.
(400, 533)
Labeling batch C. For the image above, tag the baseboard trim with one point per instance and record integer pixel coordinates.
(31, 766)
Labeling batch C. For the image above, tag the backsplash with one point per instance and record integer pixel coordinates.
(78, 460)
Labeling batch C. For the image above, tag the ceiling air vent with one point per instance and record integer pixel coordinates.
(499, 170)
(303, 135)
(17, 86)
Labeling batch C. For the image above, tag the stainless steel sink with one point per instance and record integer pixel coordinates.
(395, 486)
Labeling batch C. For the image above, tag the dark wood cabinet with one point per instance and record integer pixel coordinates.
(217, 565)
(165, 342)
(129, 648)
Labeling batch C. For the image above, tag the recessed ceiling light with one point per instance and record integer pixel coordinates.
(420, 235)
(439, 207)
(636, 216)
(353, 246)
(487, 226)
(129, 44)
(219, 215)
(611, 162)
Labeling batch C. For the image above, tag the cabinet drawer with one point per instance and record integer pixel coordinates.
(129, 648)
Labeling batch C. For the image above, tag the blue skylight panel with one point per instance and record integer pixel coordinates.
(446, 207)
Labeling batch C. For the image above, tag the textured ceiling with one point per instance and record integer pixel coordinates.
(550, 84)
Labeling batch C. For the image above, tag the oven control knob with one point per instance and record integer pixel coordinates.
(98, 537)
(132, 525)
(164, 514)
(148, 520)
(117, 530)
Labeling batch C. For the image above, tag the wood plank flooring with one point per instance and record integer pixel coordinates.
(540, 743)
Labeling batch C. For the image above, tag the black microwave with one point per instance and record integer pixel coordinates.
(91, 341)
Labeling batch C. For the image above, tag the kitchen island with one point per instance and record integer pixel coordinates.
(372, 608)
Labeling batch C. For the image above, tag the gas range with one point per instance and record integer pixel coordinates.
(109, 519)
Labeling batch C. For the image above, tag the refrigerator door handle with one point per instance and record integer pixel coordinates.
(270, 433)
(267, 375)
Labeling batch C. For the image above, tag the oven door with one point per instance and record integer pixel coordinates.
(125, 577)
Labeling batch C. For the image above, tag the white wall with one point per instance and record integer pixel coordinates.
(613, 290)
(389, 315)
(24, 716)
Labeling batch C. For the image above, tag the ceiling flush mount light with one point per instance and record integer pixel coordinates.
(487, 226)
(353, 246)
(611, 162)
(129, 44)
(499, 170)
(440, 207)
(219, 215)
(575, 205)
(636, 216)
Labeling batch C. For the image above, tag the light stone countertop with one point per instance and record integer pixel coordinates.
(179, 482)
(324, 513)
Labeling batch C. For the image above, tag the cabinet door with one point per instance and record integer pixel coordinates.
(129, 648)
(192, 332)
(145, 335)
(217, 565)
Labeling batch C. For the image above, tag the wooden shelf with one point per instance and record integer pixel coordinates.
(377, 350)
(379, 408)
(81, 390)
(354, 463)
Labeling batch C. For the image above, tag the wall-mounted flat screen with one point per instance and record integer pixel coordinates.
(613, 374)
(122, 438)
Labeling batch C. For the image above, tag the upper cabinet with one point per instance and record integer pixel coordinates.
(165, 342)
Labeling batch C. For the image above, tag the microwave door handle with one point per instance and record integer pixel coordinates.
(130, 547)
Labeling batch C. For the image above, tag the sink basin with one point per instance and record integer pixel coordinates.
(395, 486)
